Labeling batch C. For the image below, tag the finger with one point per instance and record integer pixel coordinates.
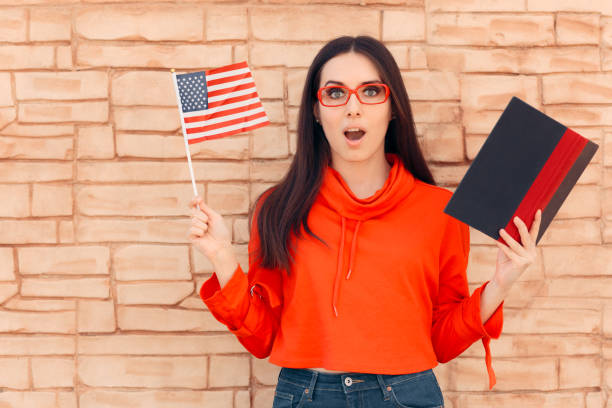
(212, 214)
(509, 252)
(511, 242)
(199, 224)
(194, 201)
(198, 232)
(199, 215)
(535, 226)
(526, 239)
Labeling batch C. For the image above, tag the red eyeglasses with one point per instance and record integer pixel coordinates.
(338, 95)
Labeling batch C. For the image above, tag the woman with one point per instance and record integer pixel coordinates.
(357, 279)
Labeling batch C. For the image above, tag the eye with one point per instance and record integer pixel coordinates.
(336, 93)
(372, 90)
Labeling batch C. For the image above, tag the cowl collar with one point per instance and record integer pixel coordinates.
(338, 196)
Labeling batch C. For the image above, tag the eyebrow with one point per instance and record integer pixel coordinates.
(363, 83)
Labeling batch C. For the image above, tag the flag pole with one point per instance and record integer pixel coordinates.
(178, 101)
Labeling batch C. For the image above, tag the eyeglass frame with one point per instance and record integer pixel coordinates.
(354, 91)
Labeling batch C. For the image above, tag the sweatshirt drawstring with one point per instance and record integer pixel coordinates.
(339, 268)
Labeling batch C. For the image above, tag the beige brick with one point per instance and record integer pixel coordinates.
(490, 29)
(269, 83)
(157, 23)
(64, 260)
(401, 54)
(270, 142)
(579, 115)
(157, 119)
(201, 264)
(305, 23)
(40, 305)
(583, 201)
(36, 148)
(64, 112)
(81, 287)
(537, 373)
(64, 57)
(49, 24)
(66, 232)
(145, 372)
(577, 261)
(403, 25)
(495, 91)
(160, 399)
(240, 53)
(265, 372)
(527, 345)
(596, 6)
(474, 5)
(49, 199)
(61, 85)
(263, 397)
(37, 345)
(229, 371)
(295, 84)
(228, 198)
(264, 54)
(167, 344)
(577, 28)
(580, 287)
(15, 200)
(161, 320)
(579, 372)
(572, 232)
(26, 57)
(7, 265)
(7, 115)
(577, 88)
(524, 400)
(435, 112)
(96, 316)
(52, 372)
(226, 23)
(448, 175)
(13, 25)
(241, 230)
(151, 262)
(160, 172)
(547, 59)
(595, 400)
(148, 230)
(275, 110)
(443, 143)
(551, 321)
(473, 144)
(606, 60)
(431, 86)
(143, 88)
(96, 142)
(154, 56)
(138, 200)
(167, 293)
(418, 59)
(44, 322)
(6, 93)
(19, 129)
(27, 232)
(7, 290)
(14, 373)
(606, 31)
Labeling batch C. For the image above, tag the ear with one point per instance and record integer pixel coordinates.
(315, 111)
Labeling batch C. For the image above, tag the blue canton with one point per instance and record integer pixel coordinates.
(193, 91)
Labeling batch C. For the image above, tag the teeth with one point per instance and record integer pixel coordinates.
(353, 130)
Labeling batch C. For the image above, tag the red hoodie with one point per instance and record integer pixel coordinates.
(388, 294)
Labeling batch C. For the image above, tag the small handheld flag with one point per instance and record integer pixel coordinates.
(217, 103)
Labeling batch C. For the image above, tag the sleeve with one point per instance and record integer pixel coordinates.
(249, 304)
(456, 315)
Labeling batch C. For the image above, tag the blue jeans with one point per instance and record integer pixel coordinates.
(303, 387)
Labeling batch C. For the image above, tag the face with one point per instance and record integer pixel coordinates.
(352, 70)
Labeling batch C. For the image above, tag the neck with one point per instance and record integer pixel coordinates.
(363, 178)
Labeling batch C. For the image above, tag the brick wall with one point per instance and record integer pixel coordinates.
(98, 284)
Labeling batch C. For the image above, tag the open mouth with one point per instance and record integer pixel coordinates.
(354, 135)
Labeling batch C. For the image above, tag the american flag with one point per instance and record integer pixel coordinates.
(219, 102)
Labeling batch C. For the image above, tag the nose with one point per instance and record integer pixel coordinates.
(353, 106)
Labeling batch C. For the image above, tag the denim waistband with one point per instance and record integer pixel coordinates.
(346, 382)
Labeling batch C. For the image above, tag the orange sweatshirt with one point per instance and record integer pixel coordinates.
(387, 295)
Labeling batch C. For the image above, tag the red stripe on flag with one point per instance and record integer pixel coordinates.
(548, 180)
(226, 68)
(242, 119)
(230, 133)
(232, 100)
(228, 79)
(232, 89)
(219, 114)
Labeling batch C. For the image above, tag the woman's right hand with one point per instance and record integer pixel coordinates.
(208, 232)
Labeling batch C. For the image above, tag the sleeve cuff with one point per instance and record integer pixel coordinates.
(492, 328)
(225, 302)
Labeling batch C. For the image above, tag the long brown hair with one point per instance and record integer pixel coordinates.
(287, 204)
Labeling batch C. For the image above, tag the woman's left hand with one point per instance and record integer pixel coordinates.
(513, 259)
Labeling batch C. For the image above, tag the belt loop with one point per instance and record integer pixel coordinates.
(386, 392)
(310, 390)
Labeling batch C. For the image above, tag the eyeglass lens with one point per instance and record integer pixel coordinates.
(367, 94)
